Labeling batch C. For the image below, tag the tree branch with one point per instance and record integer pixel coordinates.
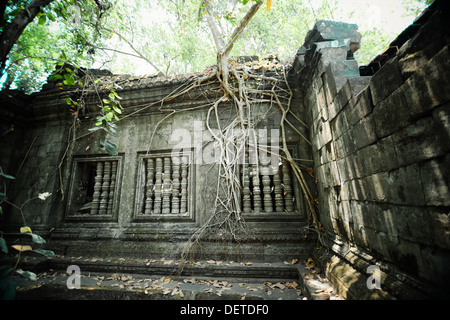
(13, 30)
(134, 49)
(240, 28)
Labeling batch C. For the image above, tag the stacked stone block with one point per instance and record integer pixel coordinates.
(382, 159)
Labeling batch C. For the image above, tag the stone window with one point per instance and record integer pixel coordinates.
(93, 192)
(268, 188)
(164, 188)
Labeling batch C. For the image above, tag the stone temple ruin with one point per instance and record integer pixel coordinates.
(378, 160)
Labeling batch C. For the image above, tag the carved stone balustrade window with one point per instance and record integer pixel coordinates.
(94, 188)
(164, 187)
(268, 188)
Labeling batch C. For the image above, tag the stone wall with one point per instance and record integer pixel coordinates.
(381, 153)
(65, 163)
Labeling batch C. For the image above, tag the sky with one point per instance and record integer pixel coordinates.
(390, 14)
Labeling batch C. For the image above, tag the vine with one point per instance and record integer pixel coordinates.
(243, 87)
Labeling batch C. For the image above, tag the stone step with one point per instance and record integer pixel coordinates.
(153, 280)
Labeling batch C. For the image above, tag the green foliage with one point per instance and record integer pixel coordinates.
(7, 285)
(172, 35)
(54, 29)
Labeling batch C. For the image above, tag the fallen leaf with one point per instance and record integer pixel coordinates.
(125, 277)
(189, 280)
(292, 285)
(279, 285)
(294, 261)
(211, 261)
(243, 296)
(25, 230)
(21, 248)
(249, 263)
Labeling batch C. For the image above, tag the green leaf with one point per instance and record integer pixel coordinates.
(37, 238)
(7, 289)
(55, 77)
(110, 147)
(7, 176)
(95, 129)
(70, 81)
(3, 196)
(7, 286)
(50, 16)
(117, 110)
(3, 245)
(47, 253)
(42, 19)
(27, 274)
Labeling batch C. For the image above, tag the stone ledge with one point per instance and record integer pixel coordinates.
(346, 267)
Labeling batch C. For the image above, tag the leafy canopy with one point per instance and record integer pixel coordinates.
(166, 36)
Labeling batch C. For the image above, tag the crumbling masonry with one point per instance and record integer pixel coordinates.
(379, 149)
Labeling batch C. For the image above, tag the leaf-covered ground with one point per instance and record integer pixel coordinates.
(145, 286)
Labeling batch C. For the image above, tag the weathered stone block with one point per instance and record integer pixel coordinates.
(435, 177)
(429, 87)
(344, 68)
(441, 125)
(329, 85)
(385, 81)
(360, 106)
(391, 114)
(326, 30)
(329, 54)
(339, 125)
(357, 84)
(363, 161)
(412, 63)
(439, 220)
(343, 96)
(360, 189)
(385, 157)
(401, 186)
(364, 132)
(323, 135)
(343, 170)
(349, 142)
(418, 142)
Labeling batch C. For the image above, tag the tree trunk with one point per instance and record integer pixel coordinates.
(13, 30)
